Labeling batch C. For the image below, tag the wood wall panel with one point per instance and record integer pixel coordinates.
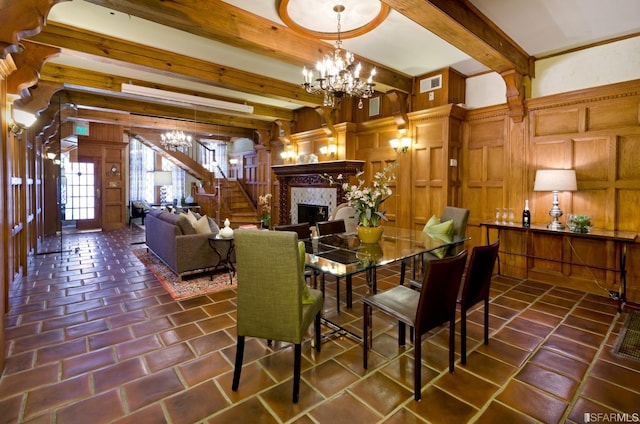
(554, 122)
(484, 166)
(366, 141)
(626, 210)
(494, 166)
(628, 155)
(582, 204)
(590, 158)
(612, 114)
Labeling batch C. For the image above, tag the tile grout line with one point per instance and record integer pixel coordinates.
(524, 362)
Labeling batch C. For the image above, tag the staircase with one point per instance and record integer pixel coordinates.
(235, 205)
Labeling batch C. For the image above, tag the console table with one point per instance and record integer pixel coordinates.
(619, 238)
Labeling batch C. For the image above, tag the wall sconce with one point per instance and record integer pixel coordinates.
(288, 156)
(330, 149)
(21, 120)
(51, 155)
(400, 145)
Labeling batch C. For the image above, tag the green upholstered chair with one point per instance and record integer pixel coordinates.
(271, 289)
(459, 216)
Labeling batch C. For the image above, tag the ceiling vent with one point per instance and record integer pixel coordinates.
(431, 83)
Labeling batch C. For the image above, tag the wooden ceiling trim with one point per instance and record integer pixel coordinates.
(220, 21)
(283, 12)
(21, 19)
(136, 107)
(28, 63)
(136, 56)
(137, 122)
(108, 82)
(465, 28)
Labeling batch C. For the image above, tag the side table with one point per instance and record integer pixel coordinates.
(224, 249)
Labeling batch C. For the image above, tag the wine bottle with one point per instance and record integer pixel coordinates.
(526, 215)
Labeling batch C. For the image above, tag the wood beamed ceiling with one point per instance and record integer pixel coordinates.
(454, 21)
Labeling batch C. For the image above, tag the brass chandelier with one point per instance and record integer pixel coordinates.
(337, 75)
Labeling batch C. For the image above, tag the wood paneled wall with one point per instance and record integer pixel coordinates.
(597, 133)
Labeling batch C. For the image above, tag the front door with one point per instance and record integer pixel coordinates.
(82, 195)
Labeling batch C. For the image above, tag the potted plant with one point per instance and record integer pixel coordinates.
(264, 206)
(579, 223)
(367, 200)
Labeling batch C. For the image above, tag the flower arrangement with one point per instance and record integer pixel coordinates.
(264, 206)
(367, 200)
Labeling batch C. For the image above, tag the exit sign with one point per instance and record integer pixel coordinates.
(81, 129)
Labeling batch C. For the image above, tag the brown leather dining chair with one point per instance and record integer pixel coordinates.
(432, 306)
(303, 229)
(475, 288)
(327, 228)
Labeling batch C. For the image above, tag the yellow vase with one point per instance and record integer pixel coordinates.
(369, 234)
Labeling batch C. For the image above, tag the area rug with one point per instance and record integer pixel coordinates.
(628, 344)
(191, 285)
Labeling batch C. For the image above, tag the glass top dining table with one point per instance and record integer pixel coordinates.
(343, 254)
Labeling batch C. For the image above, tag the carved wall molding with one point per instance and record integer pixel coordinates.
(588, 95)
(29, 62)
(399, 108)
(327, 117)
(516, 94)
(22, 19)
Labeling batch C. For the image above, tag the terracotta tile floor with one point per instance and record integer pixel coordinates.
(92, 337)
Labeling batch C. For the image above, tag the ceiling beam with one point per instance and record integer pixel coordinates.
(136, 107)
(162, 62)
(222, 22)
(462, 26)
(108, 82)
(138, 123)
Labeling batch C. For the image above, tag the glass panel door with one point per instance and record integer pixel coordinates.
(81, 196)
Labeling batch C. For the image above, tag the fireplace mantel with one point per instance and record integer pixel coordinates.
(310, 175)
(333, 167)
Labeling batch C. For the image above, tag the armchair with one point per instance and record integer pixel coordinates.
(138, 209)
(271, 289)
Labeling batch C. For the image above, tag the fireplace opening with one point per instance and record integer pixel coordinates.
(312, 213)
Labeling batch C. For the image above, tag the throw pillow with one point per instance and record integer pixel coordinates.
(191, 217)
(441, 230)
(307, 298)
(202, 226)
(212, 224)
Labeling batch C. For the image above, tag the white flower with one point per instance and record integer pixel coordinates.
(367, 200)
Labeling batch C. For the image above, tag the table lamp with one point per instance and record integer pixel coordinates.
(163, 179)
(555, 180)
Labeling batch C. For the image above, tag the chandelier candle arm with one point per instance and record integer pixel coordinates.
(338, 76)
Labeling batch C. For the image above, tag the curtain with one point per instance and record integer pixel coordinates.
(141, 172)
(137, 171)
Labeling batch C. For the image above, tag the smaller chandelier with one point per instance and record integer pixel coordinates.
(175, 140)
(338, 76)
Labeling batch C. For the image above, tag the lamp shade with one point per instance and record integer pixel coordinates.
(555, 180)
(162, 178)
